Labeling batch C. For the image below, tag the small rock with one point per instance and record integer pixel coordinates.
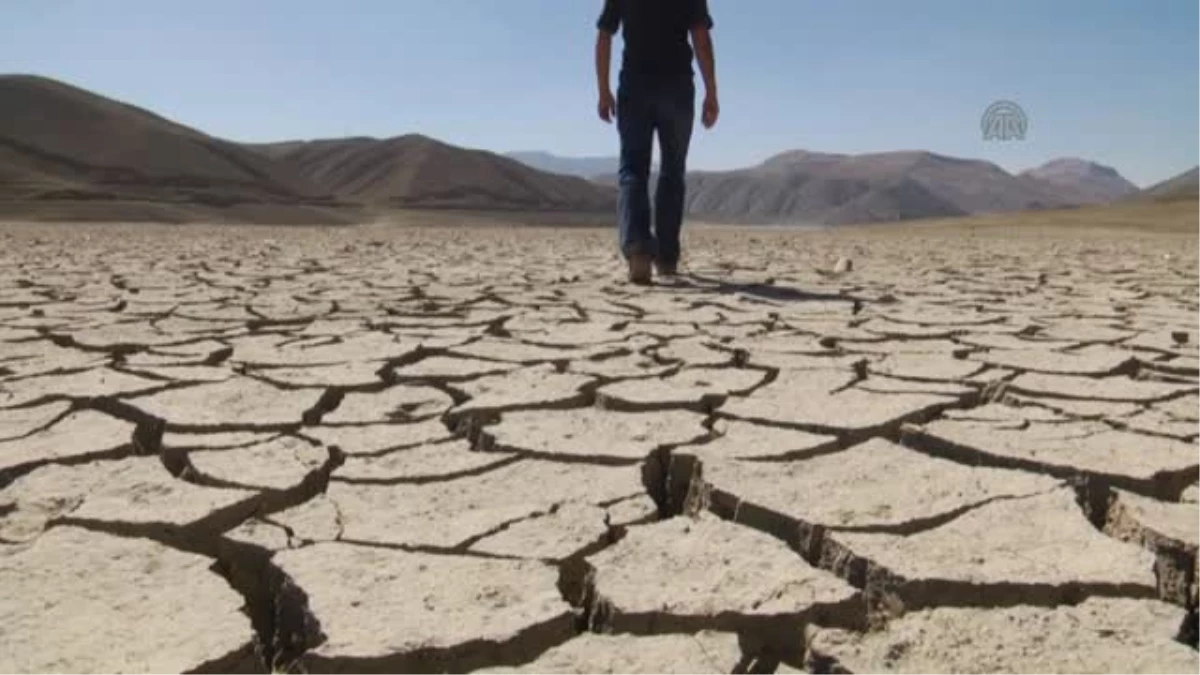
(1180, 337)
(843, 265)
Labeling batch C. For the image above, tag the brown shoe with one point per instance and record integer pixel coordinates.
(640, 270)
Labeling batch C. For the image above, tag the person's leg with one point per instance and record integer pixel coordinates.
(636, 126)
(675, 113)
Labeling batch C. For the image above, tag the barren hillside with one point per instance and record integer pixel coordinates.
(418, 171)
(1081, 181)
(801, 186)
(64, 148)
(1184, 186)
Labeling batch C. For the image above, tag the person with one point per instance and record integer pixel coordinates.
(656, 94)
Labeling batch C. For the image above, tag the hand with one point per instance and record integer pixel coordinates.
(711, 111)
(607, 106)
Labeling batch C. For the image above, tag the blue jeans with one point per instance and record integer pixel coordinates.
(643, 110)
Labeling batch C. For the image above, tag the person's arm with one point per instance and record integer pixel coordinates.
(607, 25)
(607, 106)
(702, 43)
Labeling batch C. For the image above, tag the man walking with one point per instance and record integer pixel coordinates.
(656, 95)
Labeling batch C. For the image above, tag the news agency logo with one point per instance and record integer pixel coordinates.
(1004, 121)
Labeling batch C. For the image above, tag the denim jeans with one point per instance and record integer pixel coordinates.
(643, 110)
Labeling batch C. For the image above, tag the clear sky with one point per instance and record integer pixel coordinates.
(1110, 80)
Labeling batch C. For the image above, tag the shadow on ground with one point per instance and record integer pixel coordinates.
(764, 291)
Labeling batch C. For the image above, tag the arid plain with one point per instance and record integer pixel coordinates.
(946, 446)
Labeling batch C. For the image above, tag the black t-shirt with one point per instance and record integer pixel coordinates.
(656, 35)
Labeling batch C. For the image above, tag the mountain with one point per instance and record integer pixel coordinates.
(415, 171)
(1081, 182)
(820, 188)
(1184, 186)
(66, 153)
(584, 167)
(66, 150)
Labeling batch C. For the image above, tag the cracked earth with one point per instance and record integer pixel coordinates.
(458, 450)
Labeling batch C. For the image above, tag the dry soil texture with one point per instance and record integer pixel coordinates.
(438, 449)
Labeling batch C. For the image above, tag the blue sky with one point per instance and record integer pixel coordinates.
(1111, 80)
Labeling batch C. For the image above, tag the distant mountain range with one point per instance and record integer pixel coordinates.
(584, 167)
(1184, 186)
(808, 187)
(799, 186)
(416, 171)
(1082, 182)
(69, 154)
(66, 153)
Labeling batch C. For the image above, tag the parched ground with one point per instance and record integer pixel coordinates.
(436, 449)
